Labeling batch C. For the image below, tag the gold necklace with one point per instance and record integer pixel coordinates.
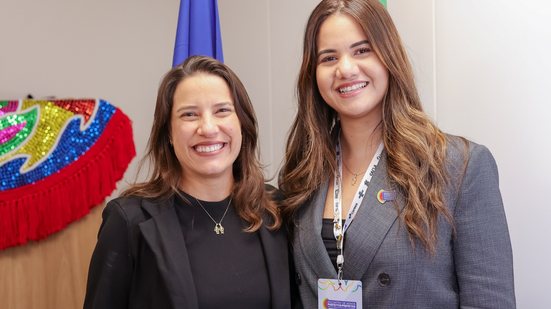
(218, 228)
(354, 175)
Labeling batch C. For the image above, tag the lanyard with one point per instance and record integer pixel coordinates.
(338, 228)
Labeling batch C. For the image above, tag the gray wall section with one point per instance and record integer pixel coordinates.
(263, 45)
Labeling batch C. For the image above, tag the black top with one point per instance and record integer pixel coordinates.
(229, 270)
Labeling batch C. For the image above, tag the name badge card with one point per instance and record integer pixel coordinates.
(346, 294)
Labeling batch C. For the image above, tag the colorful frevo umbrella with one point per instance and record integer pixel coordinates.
(58, 159)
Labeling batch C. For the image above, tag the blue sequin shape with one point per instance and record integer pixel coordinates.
(72, 144)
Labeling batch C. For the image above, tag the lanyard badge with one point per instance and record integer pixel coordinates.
(341, 293)
(338, 228)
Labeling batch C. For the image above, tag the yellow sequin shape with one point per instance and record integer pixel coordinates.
(52, 119)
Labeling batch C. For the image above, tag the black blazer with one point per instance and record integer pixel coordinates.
(140, 260)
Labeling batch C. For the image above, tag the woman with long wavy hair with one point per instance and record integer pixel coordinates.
(377, 194)
(202, 231)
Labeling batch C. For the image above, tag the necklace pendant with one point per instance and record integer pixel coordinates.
(354, 179)
(219, 229)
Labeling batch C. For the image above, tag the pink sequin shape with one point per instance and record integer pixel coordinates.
(9, 132)
(10, 107)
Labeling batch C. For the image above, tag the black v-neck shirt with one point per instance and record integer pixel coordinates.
(229, 270)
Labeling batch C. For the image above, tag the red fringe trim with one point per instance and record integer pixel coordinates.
(35, 211)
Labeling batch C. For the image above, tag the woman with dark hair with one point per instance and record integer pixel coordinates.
(202, 231)
(379, 197)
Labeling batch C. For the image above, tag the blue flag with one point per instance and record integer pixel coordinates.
(198, 31)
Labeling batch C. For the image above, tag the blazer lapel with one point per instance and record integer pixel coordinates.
(276, 255)
(309, 235)
(370, 226)
(164, 236)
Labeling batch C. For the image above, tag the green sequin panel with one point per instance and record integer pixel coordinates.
(29, 118)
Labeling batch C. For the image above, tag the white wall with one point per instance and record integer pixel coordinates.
(492, 73)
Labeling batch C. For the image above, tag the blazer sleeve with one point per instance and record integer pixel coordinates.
(110, 271)
(482, 248)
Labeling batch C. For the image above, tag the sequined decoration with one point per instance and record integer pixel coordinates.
(56, 139)
(14, 130)
(8, 107)
(9, 132)
(80, 107)
(50, 124)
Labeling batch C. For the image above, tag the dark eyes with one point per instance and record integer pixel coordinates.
(327, 59)
(188, 114)
(357, 52)
(363, 50)
(222, 111)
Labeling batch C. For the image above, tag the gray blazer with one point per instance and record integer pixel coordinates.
(473, 269)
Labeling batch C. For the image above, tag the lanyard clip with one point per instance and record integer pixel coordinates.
(340, 262)
(339, 242)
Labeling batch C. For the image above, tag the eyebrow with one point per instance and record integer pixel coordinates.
(193, 106)
(328, 51)
(224, 103)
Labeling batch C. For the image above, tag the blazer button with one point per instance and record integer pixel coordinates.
(298, 279)
(384, 279)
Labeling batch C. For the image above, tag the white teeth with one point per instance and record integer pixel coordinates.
(209, 148)
(353, 87)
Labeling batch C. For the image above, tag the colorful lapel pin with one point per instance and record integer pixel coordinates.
(385, 196)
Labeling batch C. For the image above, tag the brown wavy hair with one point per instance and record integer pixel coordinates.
(250, 198)
(415, 147)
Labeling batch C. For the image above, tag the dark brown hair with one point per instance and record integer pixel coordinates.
(249, 195)
(415, 147)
